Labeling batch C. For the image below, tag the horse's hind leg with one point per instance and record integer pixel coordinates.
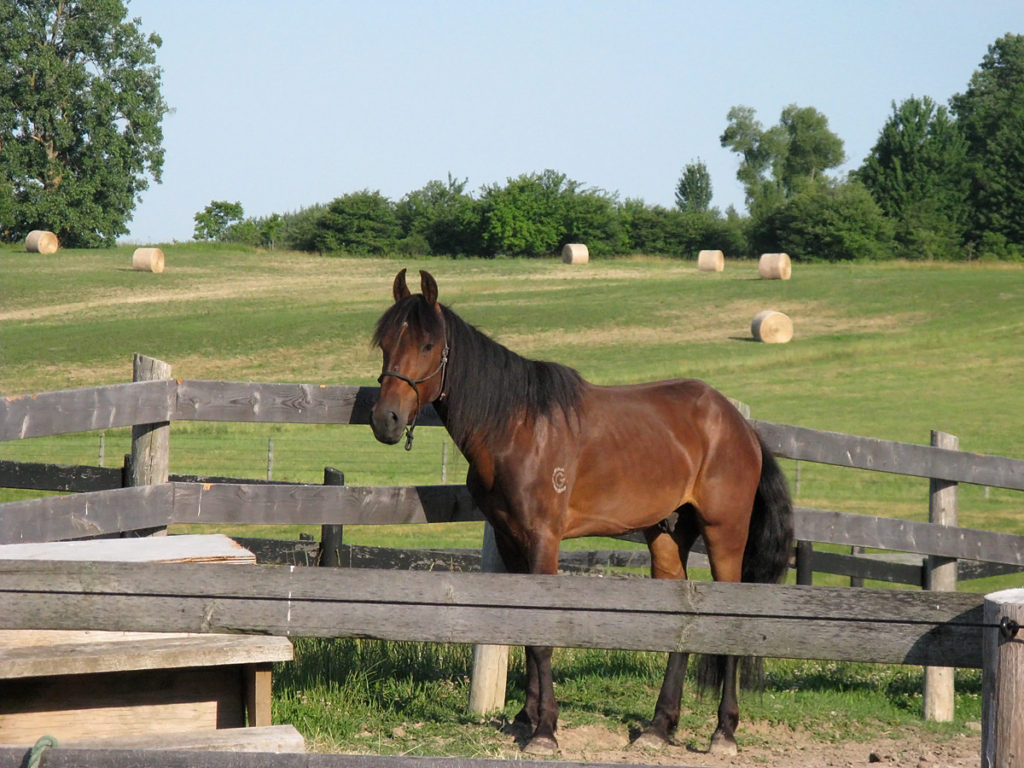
(725, 545)
(668, 561)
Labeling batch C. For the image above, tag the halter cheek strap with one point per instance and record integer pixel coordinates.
(414, 383)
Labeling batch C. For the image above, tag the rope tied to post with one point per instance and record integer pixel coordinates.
(36, 754)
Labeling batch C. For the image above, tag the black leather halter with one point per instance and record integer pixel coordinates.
(414, 383)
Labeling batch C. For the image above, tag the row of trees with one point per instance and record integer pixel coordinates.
(940, 183)
(532, 215)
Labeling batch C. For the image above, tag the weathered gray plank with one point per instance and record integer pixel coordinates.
(569, 561)
(888, 456)
(259, 738)
(876, 567)
(83, 410)
(907, 536)
(59, 477)
(291, 403)
(321, 504)
(369, 505)
(635, 614)
(79, 516)
(92, 653)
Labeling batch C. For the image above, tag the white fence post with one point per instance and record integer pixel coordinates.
(490, 662)
(940, 575)
(1002, 693)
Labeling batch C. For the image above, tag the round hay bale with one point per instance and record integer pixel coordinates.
(148, 260)
(575, 253)
(771, 327)
(41, 241)
(710, 261)
(774, 266)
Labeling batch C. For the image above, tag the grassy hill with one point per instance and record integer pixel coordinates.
(888, 350)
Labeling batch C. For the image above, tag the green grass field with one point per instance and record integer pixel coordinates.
(888, 350)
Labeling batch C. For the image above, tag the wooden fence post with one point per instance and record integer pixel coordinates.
(150, 442)
(490, 662)
(330, 535)
(804, 555)
(1002, 692)
(940, 575)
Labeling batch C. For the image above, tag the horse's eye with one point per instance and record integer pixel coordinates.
(428, 346)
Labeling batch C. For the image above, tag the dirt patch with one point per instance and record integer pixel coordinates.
(765, 744)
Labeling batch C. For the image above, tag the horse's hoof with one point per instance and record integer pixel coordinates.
(723, 745)
(544, 746)
(651, 741)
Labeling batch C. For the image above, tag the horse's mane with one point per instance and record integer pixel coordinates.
(486, 384)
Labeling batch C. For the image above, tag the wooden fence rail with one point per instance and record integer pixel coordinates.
(838, 623)
(123, 405)
(88, 514)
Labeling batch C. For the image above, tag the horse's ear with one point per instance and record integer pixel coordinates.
(428, 286)
(399, 288)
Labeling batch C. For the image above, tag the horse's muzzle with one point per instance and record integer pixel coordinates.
(387, 425)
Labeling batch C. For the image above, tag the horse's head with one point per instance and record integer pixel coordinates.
(411, 336)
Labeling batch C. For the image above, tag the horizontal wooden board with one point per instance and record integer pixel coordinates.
(907, 536)
(39, 476)
(268, 738)
(106, 407)
(84, 410)
(189, 548)
(291, 403)
(90, 653)
(888, 456)
(225, 503)
(635, 614)
(83, 515)
(869, 567)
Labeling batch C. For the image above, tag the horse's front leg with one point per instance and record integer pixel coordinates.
(539, 715)
(541, 707)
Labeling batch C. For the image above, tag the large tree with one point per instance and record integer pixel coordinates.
(991, 114)
(80, 118)
(775, 163)
(917, 172)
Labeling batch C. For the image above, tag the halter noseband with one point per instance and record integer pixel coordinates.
(414, 383)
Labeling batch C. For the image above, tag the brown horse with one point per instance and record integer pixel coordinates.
(552, 456)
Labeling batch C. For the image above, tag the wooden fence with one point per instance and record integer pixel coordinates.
(938, 629)
(906, 627)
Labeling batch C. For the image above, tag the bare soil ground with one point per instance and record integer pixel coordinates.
(763, 744)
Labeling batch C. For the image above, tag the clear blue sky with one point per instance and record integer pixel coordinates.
(280, 104)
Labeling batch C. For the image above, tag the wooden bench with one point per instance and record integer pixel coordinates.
(89, 685)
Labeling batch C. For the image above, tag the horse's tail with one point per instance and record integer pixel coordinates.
(765, 560)
(770, 537)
